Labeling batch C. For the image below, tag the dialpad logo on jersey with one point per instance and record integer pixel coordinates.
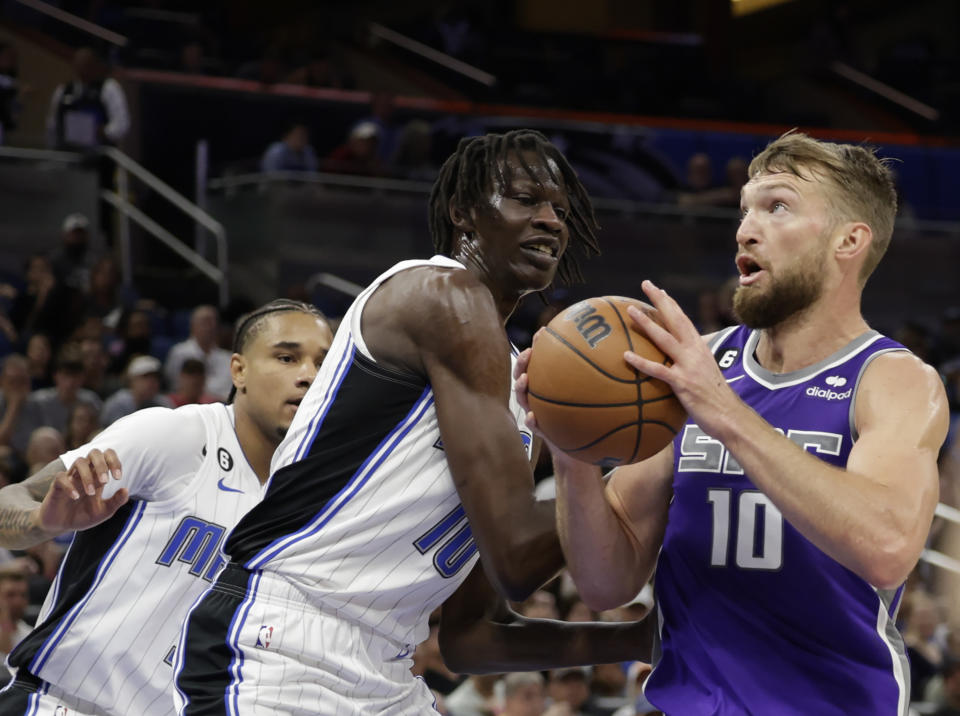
(265, 636)
(834, 381)
(591, 325)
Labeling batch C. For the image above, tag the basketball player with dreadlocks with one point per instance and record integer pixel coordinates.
(406, 462)
(150, 537)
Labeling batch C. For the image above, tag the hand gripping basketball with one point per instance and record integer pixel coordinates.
(588, 401)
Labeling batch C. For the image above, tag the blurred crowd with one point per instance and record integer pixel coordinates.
(80, 351)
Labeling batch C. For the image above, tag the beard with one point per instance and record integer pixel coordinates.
(786, 296)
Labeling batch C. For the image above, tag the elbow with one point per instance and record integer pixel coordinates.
(514, 586)
(889, 564)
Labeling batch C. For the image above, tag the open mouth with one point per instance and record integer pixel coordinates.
(749, 269)
(546, 247)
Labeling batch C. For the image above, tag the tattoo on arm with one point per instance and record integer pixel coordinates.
(17, 503)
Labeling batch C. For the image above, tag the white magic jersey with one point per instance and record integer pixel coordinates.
(361, 514)
(105, 636)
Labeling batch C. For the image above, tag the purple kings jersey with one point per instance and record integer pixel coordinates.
(753, 618)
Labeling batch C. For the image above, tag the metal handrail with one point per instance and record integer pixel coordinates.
(199, 216)
(168, 239)
(624, 206)
(48, 155)
(235, 181)
(75, 21)
(125, 166)
(427, 52)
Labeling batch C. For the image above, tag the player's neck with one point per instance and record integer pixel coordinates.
(808, 338)
(257, 447)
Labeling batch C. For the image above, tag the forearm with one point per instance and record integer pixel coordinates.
(602, 556)
(858, 519)
(535, 644)
(19, 519)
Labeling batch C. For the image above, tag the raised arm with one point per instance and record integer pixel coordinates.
(479, 634)
(872, 516)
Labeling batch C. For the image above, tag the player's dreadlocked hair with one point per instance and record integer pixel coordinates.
(250, 324)
(477, 165)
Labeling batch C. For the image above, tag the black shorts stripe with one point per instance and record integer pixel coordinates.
(204, 677)
(16, 698)
(369, 404)
(77, 574)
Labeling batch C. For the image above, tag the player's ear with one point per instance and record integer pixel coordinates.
(238, 372)
(853, 240)
(461, 218)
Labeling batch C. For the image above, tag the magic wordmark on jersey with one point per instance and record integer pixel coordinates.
(195, 542)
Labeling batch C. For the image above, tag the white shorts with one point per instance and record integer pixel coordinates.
(32, 697)
(253, 646)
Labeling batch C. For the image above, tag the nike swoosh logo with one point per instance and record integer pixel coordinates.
(225, 488)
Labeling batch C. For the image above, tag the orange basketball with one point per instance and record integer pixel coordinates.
(588, 400)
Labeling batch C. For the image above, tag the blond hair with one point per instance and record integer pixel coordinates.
(863, 183)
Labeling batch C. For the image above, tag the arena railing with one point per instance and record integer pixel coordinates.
(126, 167)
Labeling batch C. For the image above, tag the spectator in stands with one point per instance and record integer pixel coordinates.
(413, 157)
(82, 425)
(202, 345)
(194, 60)
(45, 305)
(39, 357)
(921, 617)
(292, 153)
(105, 297)
(90, 110)
(724, 196)
(637, 704)
(72, 261)
(571, 687)
(9, 90)
(14, 391)
(319, 71)
(950, 672)
(269, 69)
(190, 385)
(13, 605)
(699, 175)
(541, 605)
(45, 444)
(475, 696)
(51, 406)
(95, 363)
(359, 154)
(523, 694)
(134, 336)
(143, 391)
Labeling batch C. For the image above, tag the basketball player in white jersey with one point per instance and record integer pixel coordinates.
(151, 536)
(405, 462)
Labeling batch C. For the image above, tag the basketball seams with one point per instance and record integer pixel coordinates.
(580, 377)
(553, 333)
(638, 384)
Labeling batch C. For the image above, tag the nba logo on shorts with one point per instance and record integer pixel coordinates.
(264, 637)
(61, 711)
